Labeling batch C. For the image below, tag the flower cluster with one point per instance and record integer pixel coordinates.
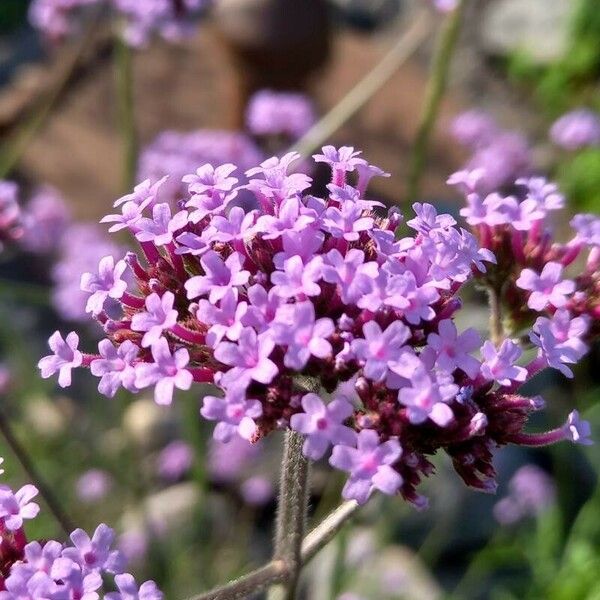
(530, 276)
(531, 492)
(30, 570)
(37, 225)
(169, 19)
(576, 129)
(311, 313)
(176, 154)
(501, 156)
(11, 227)
(279, 114)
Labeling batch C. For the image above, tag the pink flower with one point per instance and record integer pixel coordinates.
(14, 508)
(547, 287)
(369, 465)
(66, 357)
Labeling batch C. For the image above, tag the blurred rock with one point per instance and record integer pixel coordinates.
(536, 27)
(149, 425)
(165, 511)
(45, 417)
(390, 573)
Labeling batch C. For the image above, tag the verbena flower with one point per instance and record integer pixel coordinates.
(58, 19)
(576, 129)
(30, 570)
(287, 305)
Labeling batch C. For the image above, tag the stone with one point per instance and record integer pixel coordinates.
(537, 28)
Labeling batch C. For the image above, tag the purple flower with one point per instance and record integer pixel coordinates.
(44, 220)
(175, 460)
(531, 492)
(129, 590)
(559, 339)
(212, 190)
(305, 244)
(235, 415)
(499, 364)
(292, 216)
(262, 307)
(108, 283)
(257, 490)
(94, 554)
(144, 194)
(233, 227)
(160, 316)
(272, 113)
(224, 320)
(322, 425)
(41, 557)
(277, 185)
(344, 159)
(93, 485)
(75, 580)
(472, 128)
(445, 6)
(14, 508)
(66, 357)
(578, 431)
(347, 272)
(160, 228)
(220, 276)
(427, 219)
(547, 287)
(587, 227)
(116, 367)
(208, 179)
(543, 192)
(378, 348)
(427, 397)
(298, 279)
(576, 129)
(452, 350)
(296, 328)
(249, 357)
(131, 213)
(369, 465)
(190, 243)
(346, 222)
(167, 372)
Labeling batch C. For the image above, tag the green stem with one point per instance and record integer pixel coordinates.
(126, 116)
(436, 87)
(291, 515)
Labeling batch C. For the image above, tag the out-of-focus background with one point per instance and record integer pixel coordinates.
(189, 512)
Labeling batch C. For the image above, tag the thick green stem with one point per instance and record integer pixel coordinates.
(29, 467)
(126, 116)
(291, 515)
(435, 92)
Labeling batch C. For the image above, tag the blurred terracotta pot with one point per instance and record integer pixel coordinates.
(275, 44)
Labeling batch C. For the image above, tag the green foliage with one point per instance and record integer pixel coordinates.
(579, 178)
(574, 75)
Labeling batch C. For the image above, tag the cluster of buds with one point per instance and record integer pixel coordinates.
(30, 570)
(529, 276)
(311, 313)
